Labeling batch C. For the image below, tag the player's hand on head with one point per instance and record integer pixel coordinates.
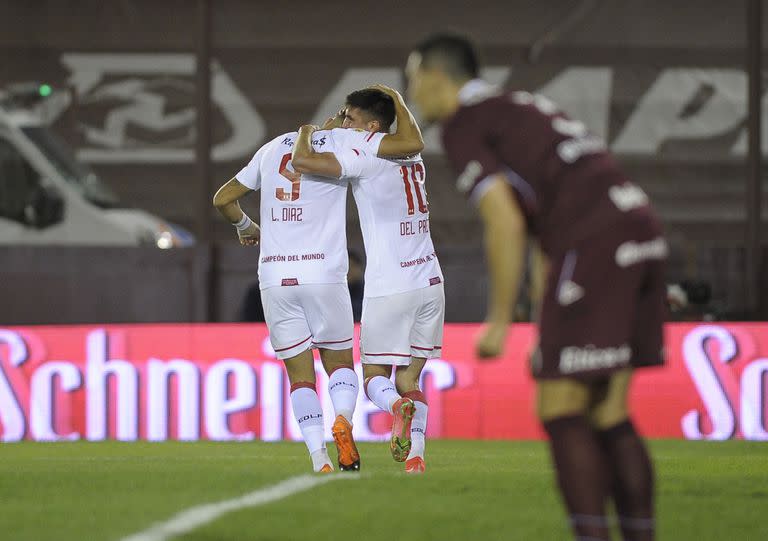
(251, 236)
(332, 122)
(388, 90)
(309, 127)
(490, 342)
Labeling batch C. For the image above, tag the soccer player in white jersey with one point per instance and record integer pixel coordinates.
(302, 276)
(404, 302)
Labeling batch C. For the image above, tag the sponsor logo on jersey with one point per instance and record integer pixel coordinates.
(290, 282)
(434, 281)
(631, 252)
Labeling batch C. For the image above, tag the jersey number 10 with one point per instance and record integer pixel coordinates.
(414, 175)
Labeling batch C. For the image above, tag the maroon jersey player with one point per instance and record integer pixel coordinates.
(532, 171)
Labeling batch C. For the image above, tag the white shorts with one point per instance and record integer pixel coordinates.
(395, 328)
(309, 315)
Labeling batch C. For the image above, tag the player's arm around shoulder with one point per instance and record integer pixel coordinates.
(305, 160)
(505, 242)
(227, 202)
(407, 139)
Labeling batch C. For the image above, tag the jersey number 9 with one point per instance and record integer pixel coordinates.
(293, 176)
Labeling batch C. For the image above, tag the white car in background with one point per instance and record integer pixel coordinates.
(48, 197)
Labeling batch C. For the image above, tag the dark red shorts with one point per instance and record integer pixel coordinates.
(605, 304)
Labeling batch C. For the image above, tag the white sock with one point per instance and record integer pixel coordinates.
(343, 387)
(382, 392)
(309, 415)
(319, 459)
(418, 429)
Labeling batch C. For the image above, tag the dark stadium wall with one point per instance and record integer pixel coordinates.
(663, 82)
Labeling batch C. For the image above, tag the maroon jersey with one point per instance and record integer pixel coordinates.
(570, 189)
(566, 182)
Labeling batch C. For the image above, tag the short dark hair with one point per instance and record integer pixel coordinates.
(454, 53)
(376, 103)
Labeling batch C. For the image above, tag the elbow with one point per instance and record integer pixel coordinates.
(301, 164)
(223, 197)
(419, 146)
(218, 200)
(301, 167)
(415, 147)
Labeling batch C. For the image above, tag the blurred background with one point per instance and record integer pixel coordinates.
(120, 119)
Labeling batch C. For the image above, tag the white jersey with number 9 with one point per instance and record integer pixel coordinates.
(303, 218)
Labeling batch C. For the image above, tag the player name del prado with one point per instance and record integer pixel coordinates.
(414, 227)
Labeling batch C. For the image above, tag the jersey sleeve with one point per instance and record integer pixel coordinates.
(250, 175)
(470, 155)
(355, 163)
(364, 140)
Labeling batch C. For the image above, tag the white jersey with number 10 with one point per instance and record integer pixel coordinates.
(303, 218)
(394, 214)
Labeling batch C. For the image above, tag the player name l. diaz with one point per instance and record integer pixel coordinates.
(287, 214)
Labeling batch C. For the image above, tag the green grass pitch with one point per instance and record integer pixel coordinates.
(472, 491)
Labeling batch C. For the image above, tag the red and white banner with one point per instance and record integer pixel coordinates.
(222, 382)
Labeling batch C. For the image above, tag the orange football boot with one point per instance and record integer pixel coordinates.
(415, 465)
(400, 443)
(349, 458)
(327, 468)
